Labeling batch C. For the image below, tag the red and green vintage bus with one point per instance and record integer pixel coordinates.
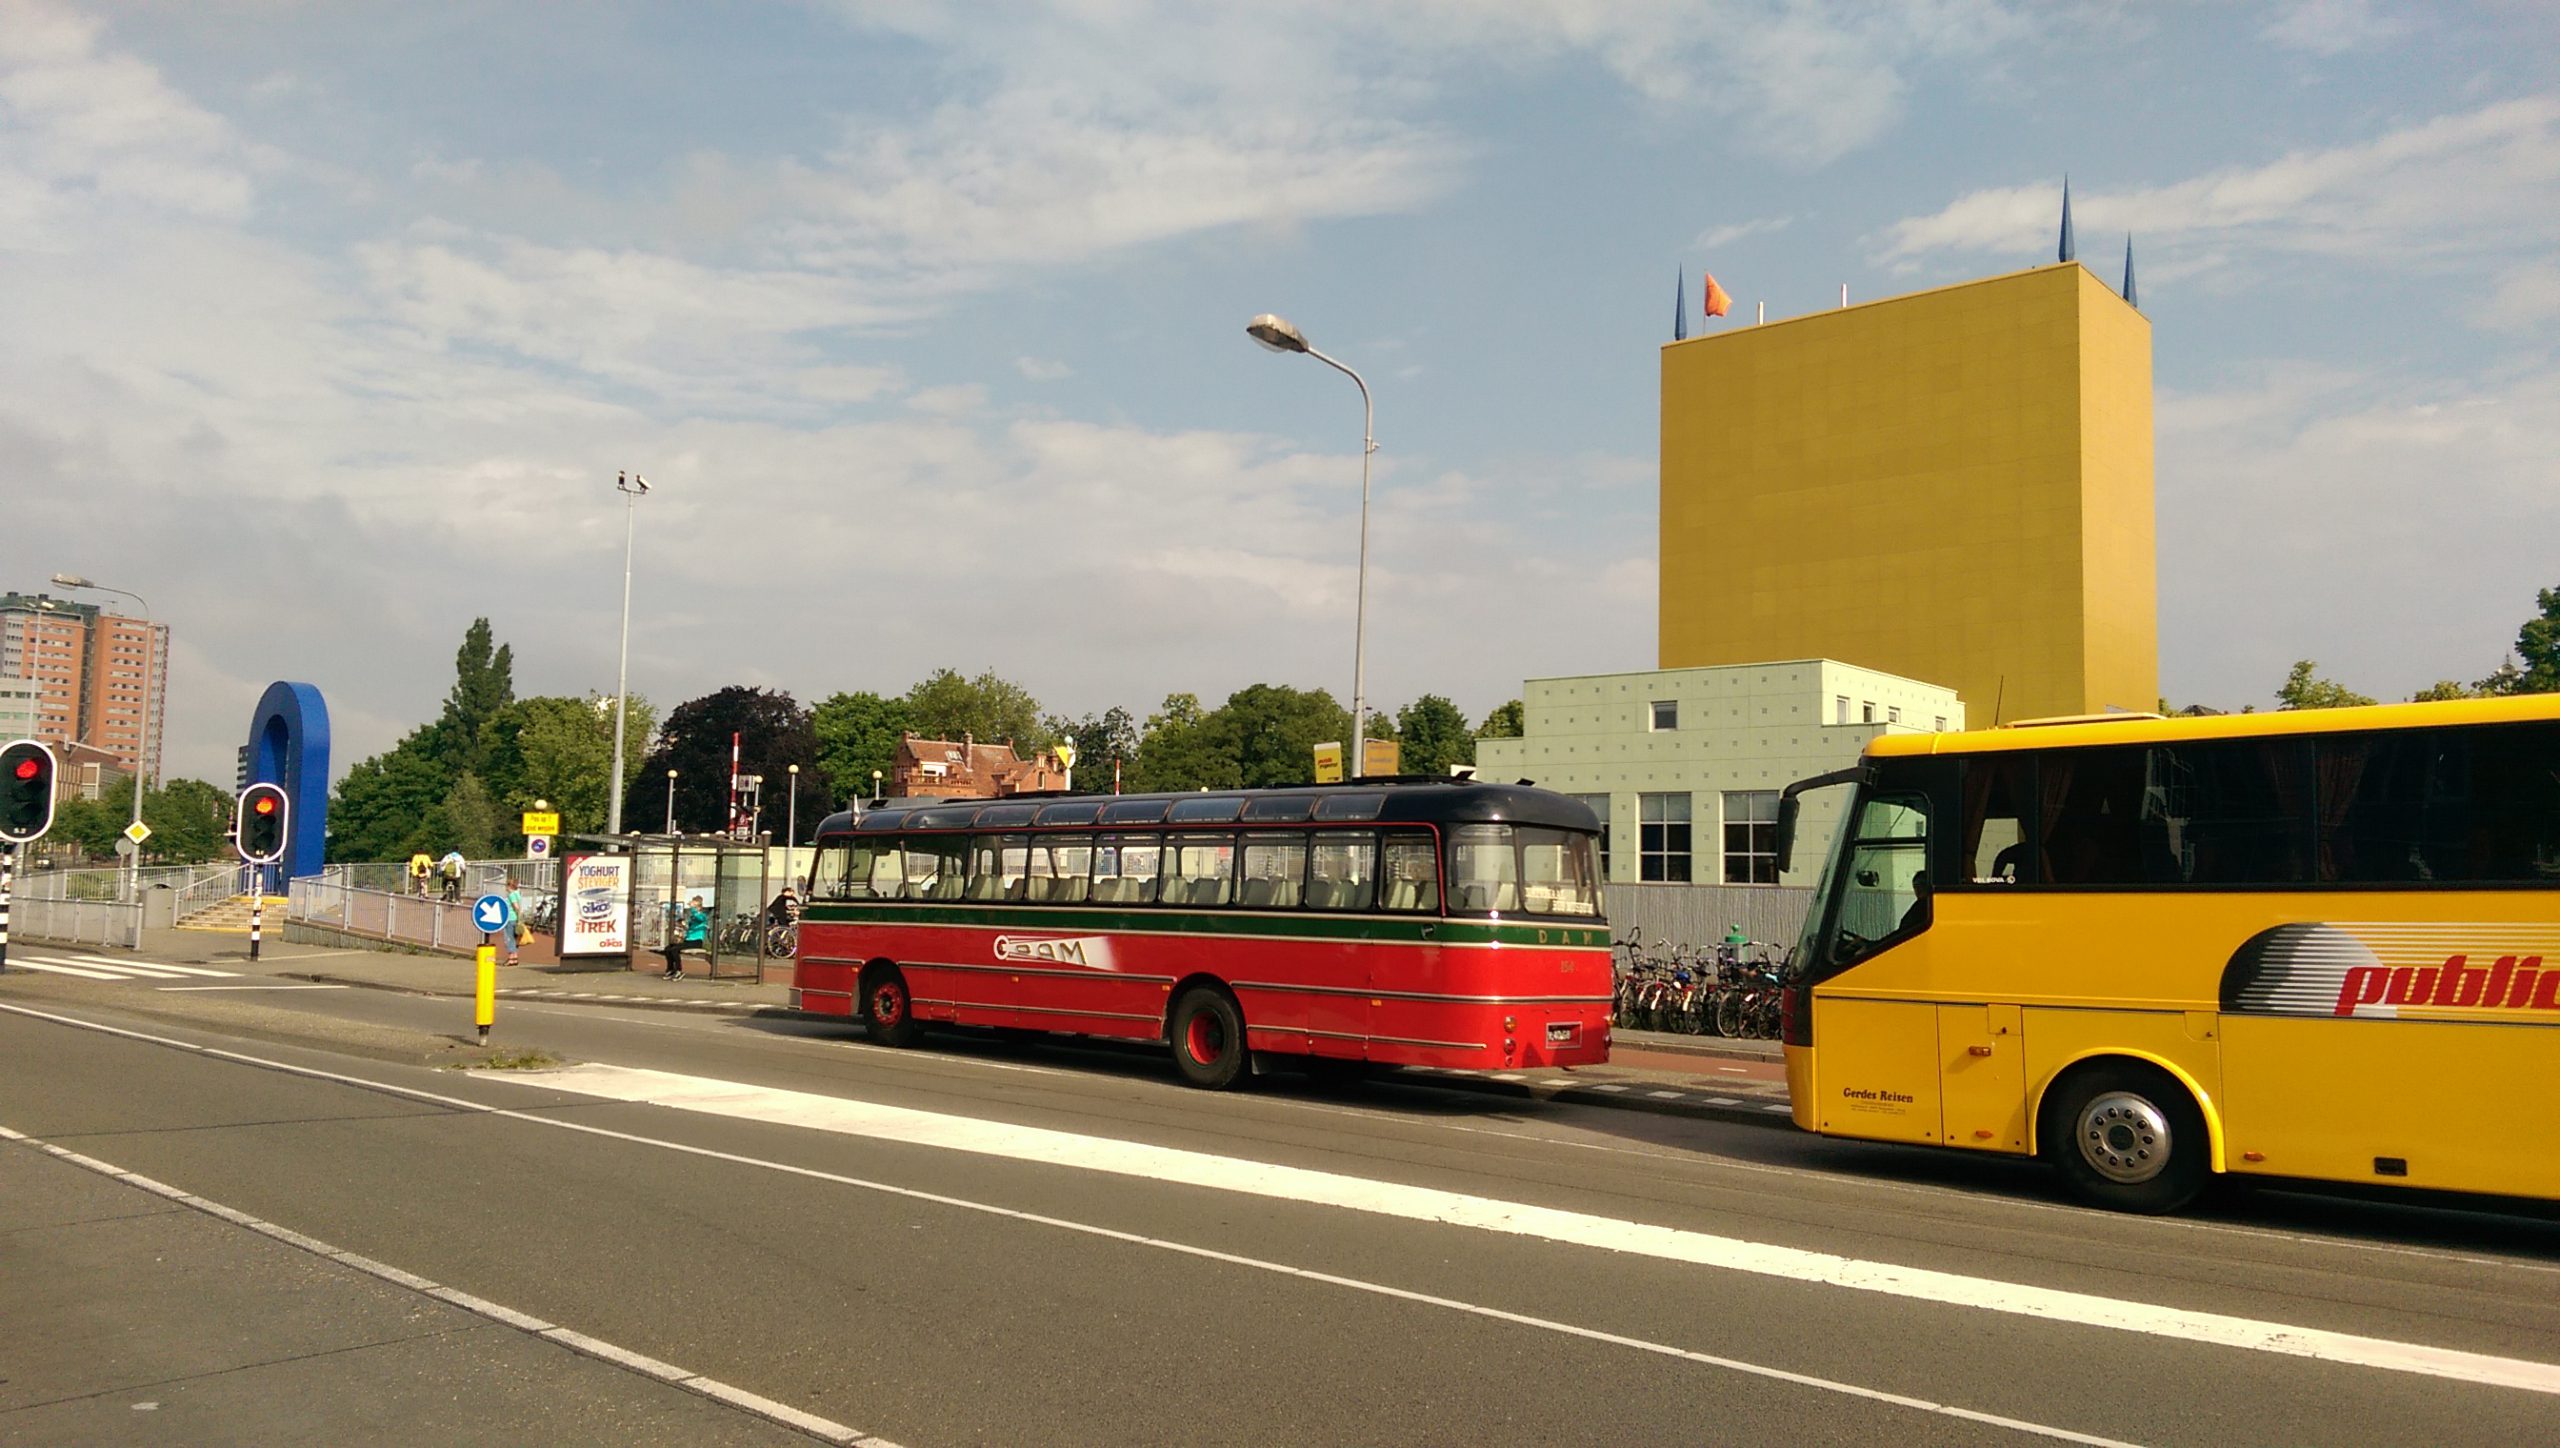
(1430, 923)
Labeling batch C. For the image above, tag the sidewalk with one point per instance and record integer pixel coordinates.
(1648, 1070)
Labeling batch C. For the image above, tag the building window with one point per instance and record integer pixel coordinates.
(1666, 713)
(1664, 837)
(1893, 715)
(1939, 724)
(1751, 837)
(1840, 709)
(1867, 711)
(1600, 806)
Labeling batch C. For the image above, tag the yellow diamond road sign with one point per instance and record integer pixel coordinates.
(1066, 753)
(137, 832)
(541, 822)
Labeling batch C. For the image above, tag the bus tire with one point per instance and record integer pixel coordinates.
(2128, 1137)
(1208, 1039)
(888, 1010)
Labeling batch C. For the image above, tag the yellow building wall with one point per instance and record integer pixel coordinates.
(1953, 486)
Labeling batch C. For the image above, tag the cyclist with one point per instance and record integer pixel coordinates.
(450, 869)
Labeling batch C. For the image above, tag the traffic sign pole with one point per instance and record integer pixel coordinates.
(257, 908)
(484, 999)
(8, 877)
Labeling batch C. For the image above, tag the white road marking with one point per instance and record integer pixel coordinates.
(578, 1342)
(1412, 1203)
(1607, 1086)
(1666, 1095)
(1733, 1070)
(159, 965)
(251, 987)
(1722, 1101)
(51, 967)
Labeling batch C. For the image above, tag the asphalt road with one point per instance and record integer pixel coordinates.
(1009, 1242)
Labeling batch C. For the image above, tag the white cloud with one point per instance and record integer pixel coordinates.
(2525, 299)
(1732, 232)
(2335, 27)
(2454, 186)
(1043, 369)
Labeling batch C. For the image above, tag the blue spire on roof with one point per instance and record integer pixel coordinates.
(2068, 252)
(2128, 271)
(1680, 307)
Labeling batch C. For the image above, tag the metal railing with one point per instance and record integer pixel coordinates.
(331, 899)
(58, 920)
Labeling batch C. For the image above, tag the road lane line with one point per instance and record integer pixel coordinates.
(1088, 1229)
(250, 987)
(1426, 1204)
(724, 1393)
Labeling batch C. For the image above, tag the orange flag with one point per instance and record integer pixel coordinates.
(1717, 302)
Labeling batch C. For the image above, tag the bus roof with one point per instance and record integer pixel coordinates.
(2152, 729)
(1433, 801)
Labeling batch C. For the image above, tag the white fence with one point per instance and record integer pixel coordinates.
(60, 921)
(332, 899)
(1699, 915)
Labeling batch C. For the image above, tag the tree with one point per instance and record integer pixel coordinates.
(858, 733)
(381, 809)
(2305, 689)
(466, 819)
(773, 733)
(483, 684)
(90, 824)
(1270, 731)
(560, 750)
(2444, 689)
(1099, 740)
(190, 821)
(2538, 649)
(1434, 735)
(1505, 722)
(992, 710)
(1181, 750)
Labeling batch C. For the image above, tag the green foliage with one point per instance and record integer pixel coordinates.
(2305, 689)
(992, 710)
(1099, 739)
(2534, 668)
(190, 823)
(559, 749)
(2444, 689)
(382, 809)
(89, 824)
(1435, 736)
(773, 732)
(483, 684)
(1181, 750)
(1270, 731)
(1505, 722)
(858, 733)
(466, 819)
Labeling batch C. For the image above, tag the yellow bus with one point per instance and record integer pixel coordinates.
(2321, 944)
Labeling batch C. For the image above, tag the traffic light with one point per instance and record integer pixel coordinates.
(261, 824)
(26, 791)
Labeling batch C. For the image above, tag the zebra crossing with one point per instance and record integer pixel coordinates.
(100, 967)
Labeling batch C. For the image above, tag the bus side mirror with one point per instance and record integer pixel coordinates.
(1787, 807)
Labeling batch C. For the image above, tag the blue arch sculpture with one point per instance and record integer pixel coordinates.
(289, 745)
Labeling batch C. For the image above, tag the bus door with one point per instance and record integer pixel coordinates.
(1878, 1051)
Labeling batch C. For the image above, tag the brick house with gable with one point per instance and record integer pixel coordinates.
(940, 768)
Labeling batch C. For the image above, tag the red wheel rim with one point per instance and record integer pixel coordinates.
(889, 1004)
(1206, 1039)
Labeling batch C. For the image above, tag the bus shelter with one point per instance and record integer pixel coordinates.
(660, 875)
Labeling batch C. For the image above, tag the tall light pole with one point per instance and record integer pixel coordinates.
(633, 488)
(671, 801)
(791, 832)
(142, 749)
(1278, 335)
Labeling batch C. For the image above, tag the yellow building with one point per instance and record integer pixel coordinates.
(1953, 485)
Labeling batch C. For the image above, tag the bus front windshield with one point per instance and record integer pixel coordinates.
(1875, 891)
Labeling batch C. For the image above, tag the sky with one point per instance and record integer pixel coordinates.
(326, 328)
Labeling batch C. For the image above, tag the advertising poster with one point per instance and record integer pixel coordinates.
(595, 906)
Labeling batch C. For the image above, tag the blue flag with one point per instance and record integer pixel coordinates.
(1680, 308)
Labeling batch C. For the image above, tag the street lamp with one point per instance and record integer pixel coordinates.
(142, 749)
(633, 488)
(671, 801)
(1277, 334)
(792, 832)
(875, 786)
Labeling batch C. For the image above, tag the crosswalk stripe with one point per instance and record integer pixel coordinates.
(23, 963)
(161, 965)
(131, 969)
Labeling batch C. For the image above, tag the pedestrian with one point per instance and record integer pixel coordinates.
(451, 868)
(519, 930)
(420, 867)
(687, 932)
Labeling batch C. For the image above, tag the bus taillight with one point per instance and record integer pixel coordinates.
(1795, 1016)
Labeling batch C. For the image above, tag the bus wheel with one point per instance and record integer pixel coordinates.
(888, 1008)
(1208, 1038)
(2127, 1137)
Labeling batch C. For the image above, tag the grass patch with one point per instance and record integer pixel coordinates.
(511, 1061)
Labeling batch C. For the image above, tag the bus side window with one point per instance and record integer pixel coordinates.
(1275, 871)
(887, 876)
(1124, 869)
(1199, 870)
(935, 867)
(1997, 788)
(1344, 867)
(1409, 872)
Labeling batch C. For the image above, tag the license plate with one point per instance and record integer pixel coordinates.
(1563, 1033)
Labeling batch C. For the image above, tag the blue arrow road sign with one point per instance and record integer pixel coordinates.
(492, 914)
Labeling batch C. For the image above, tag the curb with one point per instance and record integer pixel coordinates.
(1719, 1047)
(1618, 1096)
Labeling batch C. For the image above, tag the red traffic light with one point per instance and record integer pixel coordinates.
(28, 768)
(266, 804)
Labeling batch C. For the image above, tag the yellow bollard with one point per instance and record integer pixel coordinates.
(485, 1004)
